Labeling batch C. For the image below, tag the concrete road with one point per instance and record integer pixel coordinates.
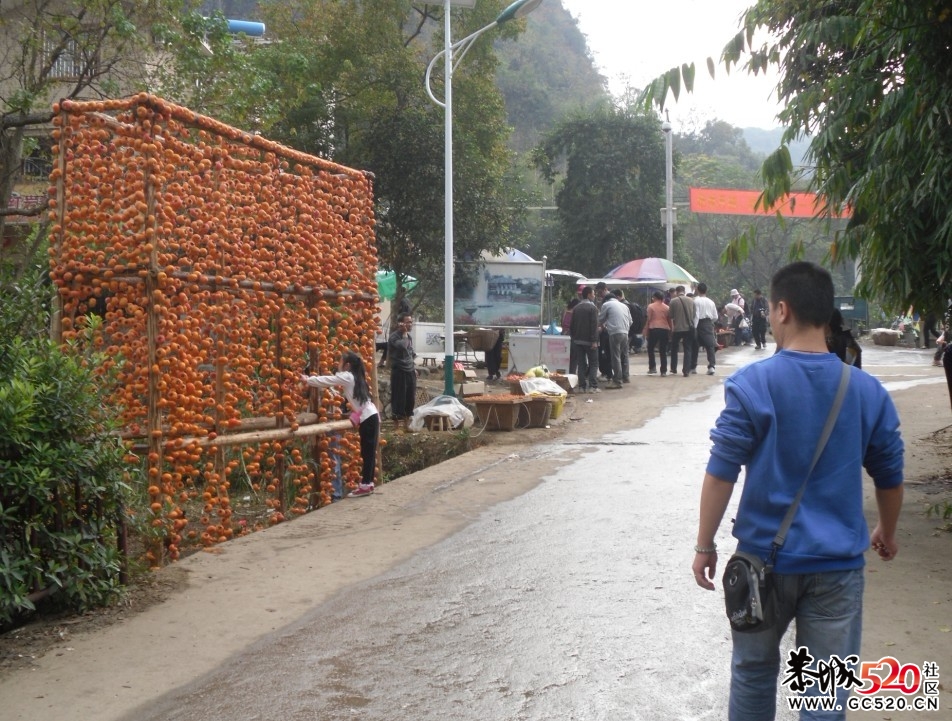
(573, 601)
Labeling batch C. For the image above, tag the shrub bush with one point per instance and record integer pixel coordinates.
(61, 489)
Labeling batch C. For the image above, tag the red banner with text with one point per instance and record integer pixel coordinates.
(743, 202)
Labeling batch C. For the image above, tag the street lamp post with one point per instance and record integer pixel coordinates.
(668, 192)
(516, 10)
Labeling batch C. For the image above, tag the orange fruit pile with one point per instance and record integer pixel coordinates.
(221, 263)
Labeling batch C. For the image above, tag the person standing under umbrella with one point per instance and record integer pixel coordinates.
(658, 331)
(615, 318)
(682, 317)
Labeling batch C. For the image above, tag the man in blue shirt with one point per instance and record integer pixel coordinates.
(773, 417)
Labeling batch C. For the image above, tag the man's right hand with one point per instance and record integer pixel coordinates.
(887, 548)
(705, 569)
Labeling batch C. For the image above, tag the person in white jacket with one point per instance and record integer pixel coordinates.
(352, 379)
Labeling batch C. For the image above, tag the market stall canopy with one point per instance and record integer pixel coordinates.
(556, 273)
(508, 254)
(619, 283)
(652, 270)
(387, 284)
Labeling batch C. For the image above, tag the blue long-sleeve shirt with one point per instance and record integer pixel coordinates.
(774, 414)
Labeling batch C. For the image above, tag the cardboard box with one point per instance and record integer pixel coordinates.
(472, 388)
(464, 375)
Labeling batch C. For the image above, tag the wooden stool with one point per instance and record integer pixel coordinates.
(438, 423)
(429, 362)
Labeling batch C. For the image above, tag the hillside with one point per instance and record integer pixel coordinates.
(546, 74)
(764, 142)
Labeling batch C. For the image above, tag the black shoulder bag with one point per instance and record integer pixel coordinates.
(748, 580)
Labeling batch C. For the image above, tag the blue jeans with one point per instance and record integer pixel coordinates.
(828, 609)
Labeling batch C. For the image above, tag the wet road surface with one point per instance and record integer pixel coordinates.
(573, 601)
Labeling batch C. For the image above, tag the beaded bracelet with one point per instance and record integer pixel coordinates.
(712, 549)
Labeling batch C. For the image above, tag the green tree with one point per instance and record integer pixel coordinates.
(350, 75)
(214, 72)
(51, 50)
(720, 139)
(870, 82)
(610, 168)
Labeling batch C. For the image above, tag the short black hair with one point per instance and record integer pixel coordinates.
(404, 316)
(618, 293)
(807, 289)
(702, 288)
(657, 295)
(587, 291)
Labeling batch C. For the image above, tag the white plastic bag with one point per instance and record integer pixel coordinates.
(447, 406)
(541, 386)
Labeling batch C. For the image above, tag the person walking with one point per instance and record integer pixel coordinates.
(584, 333)
(759, 311)
(615, 318)
(402, 372)
(774, 416)
(682, 321)
(658, 331)
(351, 378)
(705, 316)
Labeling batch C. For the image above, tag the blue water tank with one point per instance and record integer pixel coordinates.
(248, 27)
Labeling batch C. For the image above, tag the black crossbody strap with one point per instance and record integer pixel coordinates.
(824, 437)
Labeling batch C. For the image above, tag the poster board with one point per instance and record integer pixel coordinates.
(532, 349)
(428, 339)
(500, 294)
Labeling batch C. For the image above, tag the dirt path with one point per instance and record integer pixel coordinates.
(218, 603)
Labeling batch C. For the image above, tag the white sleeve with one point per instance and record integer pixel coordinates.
(325, 381)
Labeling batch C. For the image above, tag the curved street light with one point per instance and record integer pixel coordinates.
(516, 10)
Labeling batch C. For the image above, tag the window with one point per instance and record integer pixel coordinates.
(74, 60)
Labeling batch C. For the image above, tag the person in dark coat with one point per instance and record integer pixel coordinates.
(584, 333)
(841, 341)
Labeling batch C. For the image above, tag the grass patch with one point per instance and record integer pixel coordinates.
(407, 453)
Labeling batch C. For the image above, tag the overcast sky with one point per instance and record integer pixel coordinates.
(641, 39)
